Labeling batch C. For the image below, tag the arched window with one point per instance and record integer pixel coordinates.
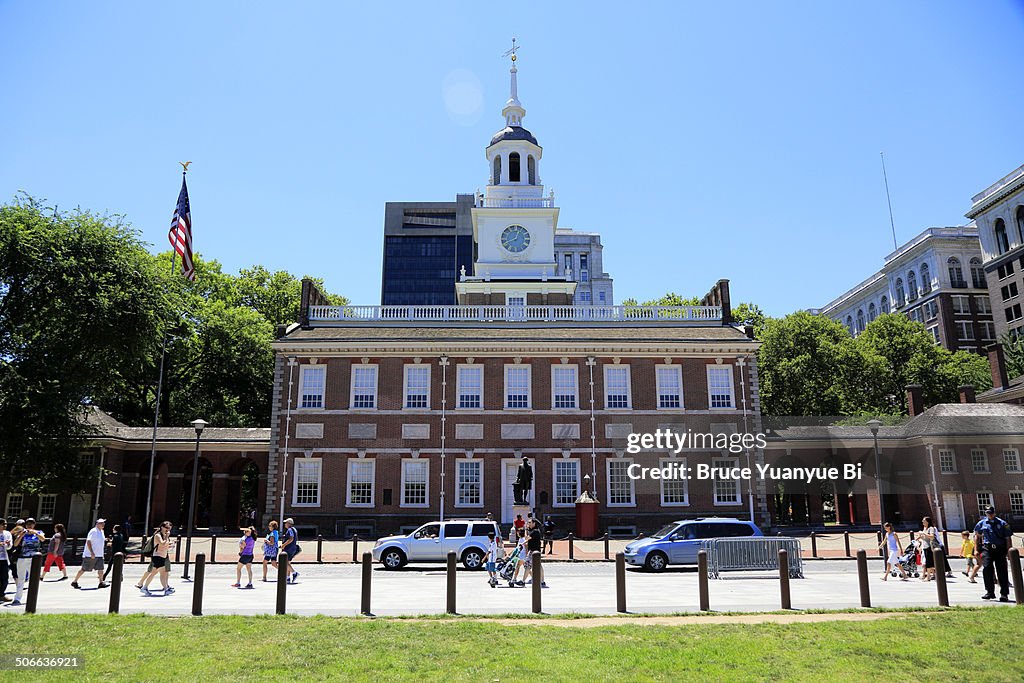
(1020, 223)
(872, 312)
(849, 324)
(901, 298)
(513, 167)
(912, 285)
(884, 306)
(978, 274)
(860, 320)
(926, 279)
(1002, 244)
(956, 273)
(531, 170)
(496, 180)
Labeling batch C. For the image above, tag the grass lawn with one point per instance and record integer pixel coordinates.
(922, 646)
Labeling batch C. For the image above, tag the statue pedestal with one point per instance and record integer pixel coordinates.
(523, 510)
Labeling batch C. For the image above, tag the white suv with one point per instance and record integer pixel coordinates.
(432, 541)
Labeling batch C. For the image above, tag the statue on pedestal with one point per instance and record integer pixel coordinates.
(524, 482)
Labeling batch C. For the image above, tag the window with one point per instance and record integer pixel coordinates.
(1002, 243)
(926, 279)
(584, 268)
(513, 167)
(947, 461)
(616, 386)
(983, 305)
(306, 489)
(620, 485)
(1009, 291)
(1017, 502)
(984, 500)
(674, 491)
(727, 491)
(568, 264)
(912, 285)
(849, 325)
(884, 307)
(1004, 271)
(901, 298)
(417, 386)
(669, 385)
(414, 482)
(469, 483)
(455, 530)
(860, 320)
(517, 386)
(988, 331)
(584, 298)
(979, 460)
(872, 312)
(931, 310)
(934, 331)
(47, 507)
(1020, 224)
(360, 482)
(311, 386)
(567, 482)
(1012, 313)
(1011, 460)
(956, 273)
(496, 179)
(470, 381)
(364, 386)
(531, 170)
(965, 331)
(961, 305)
(564, 386)
(916, 315)
(977, 274)
(15, 505)
(720, 386)
(602, 298)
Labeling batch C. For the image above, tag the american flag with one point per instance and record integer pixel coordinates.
(180, 234)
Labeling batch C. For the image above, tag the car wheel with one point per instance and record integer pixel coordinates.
(392, 558)
(473, 559)
(656, 562)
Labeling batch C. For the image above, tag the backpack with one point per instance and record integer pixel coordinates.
(147, 550)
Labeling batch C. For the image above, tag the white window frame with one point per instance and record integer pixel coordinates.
(626, 462)
(1012, 455)
(988, 330)
(575, 462)
(20, 497)
(732, 387)
(678, 370)
(718, 500)
(304, 371)
(959, 301)
(459, 501)
(575, 370)
(985, 496)
(376, 383)
(40, 515)
(952, 461)
(372, 462)
(1020, 505)
(975, 452)
(460, 389)
(529, 386)
(983, 304)
(319, 465)
(420, 391)
(662, 462)
(403, 501)
(629, 387)
(964, 330)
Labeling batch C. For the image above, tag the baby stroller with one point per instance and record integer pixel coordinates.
(908, 562)
(506, 566)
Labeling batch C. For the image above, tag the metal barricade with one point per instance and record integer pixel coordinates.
(752, 554)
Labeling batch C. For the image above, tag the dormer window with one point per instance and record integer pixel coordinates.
(513, 167)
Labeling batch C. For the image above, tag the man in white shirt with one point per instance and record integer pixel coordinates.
(92, 554)
(5, 545)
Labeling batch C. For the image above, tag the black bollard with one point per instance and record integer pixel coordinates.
(177, 553)
(320, 548)
(702, 580)
(117, 576)
(939, 558)
(784, 578)
(33, 584)
(607, 548)
(814, 545)
(355, 547)
(213, 549)
(364, 602)
(881, 549)
(535, 575)
(142, 556)
(450, 605)
(846, 539)
(282, 582)
(862, 577)
(198, 577)
(620, 582)
(571, 556)
(1015, 576)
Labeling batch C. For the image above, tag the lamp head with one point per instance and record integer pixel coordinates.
(199, 424)
(874, 425)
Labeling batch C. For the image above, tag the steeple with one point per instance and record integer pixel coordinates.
(513, 111)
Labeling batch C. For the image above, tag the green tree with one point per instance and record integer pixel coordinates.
(670, 299)
(1013, 349)
(79, 306)
(748, 313)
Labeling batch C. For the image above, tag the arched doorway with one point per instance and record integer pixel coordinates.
(204, 494)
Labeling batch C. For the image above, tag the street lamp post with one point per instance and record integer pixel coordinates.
(874, 425)
(198, 425)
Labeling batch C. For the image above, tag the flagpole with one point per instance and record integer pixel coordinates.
(156, 411)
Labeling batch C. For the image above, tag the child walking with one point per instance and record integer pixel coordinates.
(246, 546)
(967, 552)
(495, 551)
(894, 550)
(55, 552)
(270, 545)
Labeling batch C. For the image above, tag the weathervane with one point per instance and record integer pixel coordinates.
(184, 166)
(512, 53)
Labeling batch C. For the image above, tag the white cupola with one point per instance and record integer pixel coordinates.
(513, 155)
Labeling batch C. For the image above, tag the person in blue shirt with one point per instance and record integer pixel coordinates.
(992, 537)
(270, 546)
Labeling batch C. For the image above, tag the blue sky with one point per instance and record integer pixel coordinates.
(711, 140)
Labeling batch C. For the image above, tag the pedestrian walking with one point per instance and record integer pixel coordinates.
(6, 541)
(55, 552)
(271, 542)
(993, 536)
(12, 554)
(118, 544)
(533, 544)
(520, 552)
(92, 554)
(160, 561)
(495, 552)
(246, 550)
(29, 543)
(549, 534)
(893, 549)
(128, 527)
(967, 552)
(290, 545)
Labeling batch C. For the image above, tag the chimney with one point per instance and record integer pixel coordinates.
(915, 399)
(967, 394)
(997, 363)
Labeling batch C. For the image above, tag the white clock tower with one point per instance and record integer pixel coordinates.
(514, 223)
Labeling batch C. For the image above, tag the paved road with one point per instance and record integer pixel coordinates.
(574, 587)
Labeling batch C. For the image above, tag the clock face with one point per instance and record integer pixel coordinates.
(515, 238)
